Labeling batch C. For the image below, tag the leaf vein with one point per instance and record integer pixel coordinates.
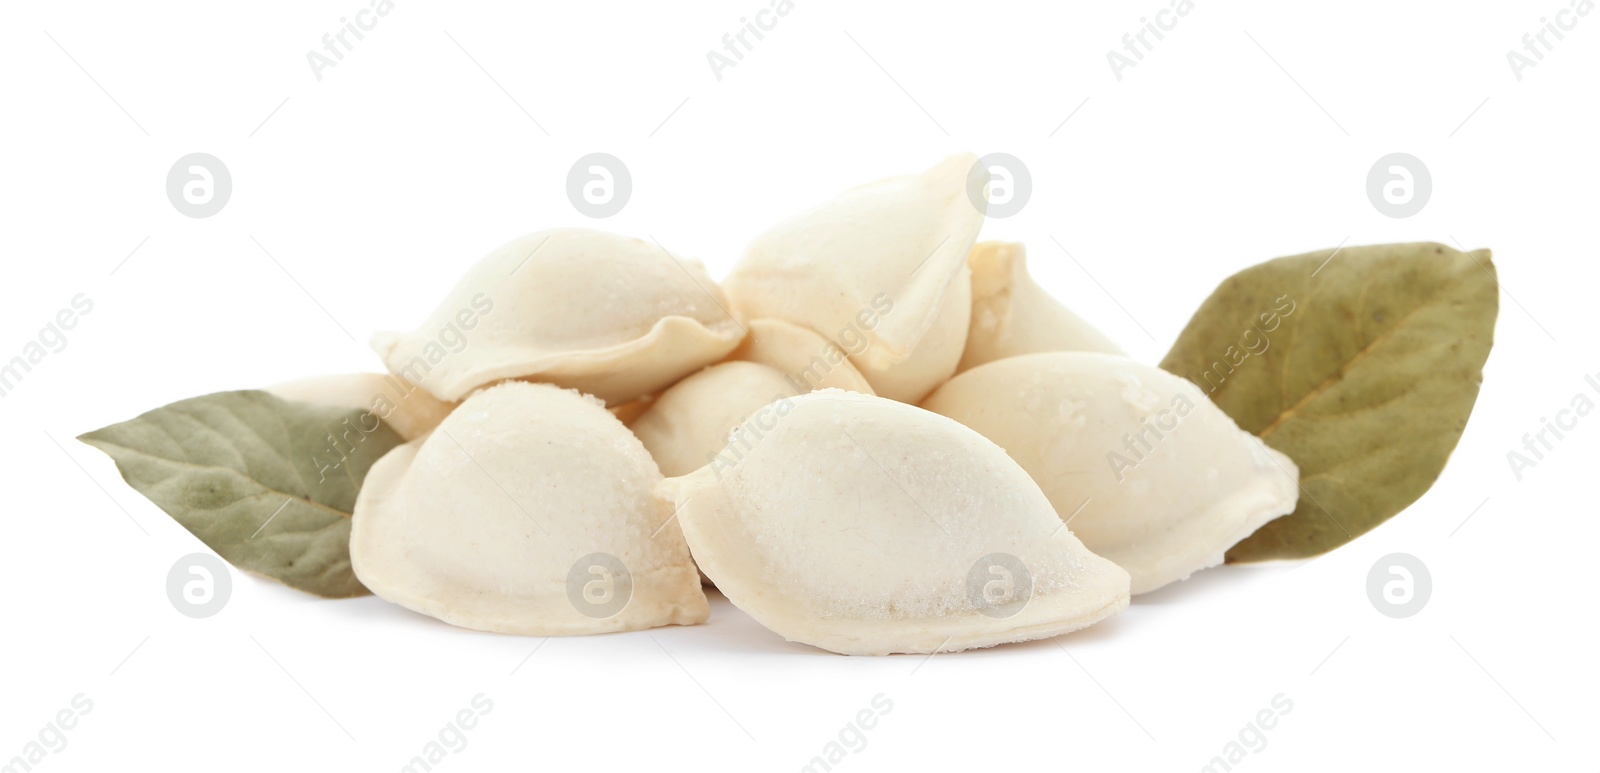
(1339, 373)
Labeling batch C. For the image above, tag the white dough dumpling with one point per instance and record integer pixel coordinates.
(866, 526)
(613, 317)
(688, 425)
(810, 361)
(529, 510)
(1012, 314)
(880, 270)
(406, 408)
(1150, 473)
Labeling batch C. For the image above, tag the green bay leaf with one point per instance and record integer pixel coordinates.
(268, 483)
(1361, 363)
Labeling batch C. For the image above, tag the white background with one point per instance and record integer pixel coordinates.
(1246, 134)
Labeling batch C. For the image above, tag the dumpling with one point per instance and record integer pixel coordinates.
(614, 317)
(528, 511)
(809, 360)
(688, 426)
(1012, 314)
(866, 526)
(406, 408)
(1146, 470)
(880, 270)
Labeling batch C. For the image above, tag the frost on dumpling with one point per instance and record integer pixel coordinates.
(406, 408)
(880, 270)
(1012, 314)
(613, 317)
(529, 510)
(689, 425)
(810, 361)
(1149, 472)
(866, 526)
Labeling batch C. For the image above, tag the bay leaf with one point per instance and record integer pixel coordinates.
(267, 483)
(1361, 363)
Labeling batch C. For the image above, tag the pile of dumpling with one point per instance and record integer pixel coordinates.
(876, 435)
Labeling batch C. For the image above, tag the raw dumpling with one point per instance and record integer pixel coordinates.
(614, 317)
(866, 527)
(528, 511)
(881, 270)
(1148, 472)
(688, 426)
(406, 408)
(810, 361)
(1012, 314)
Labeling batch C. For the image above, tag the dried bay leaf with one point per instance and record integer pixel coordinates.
(267, 483)
(1362, 364)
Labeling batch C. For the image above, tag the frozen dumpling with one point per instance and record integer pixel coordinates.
(1146, 470)
(614, 317)
(688, 425)
(406, 408)
(880, 270)
(810, 361)
(529, 510)
(1012, 314)
(866, 526)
